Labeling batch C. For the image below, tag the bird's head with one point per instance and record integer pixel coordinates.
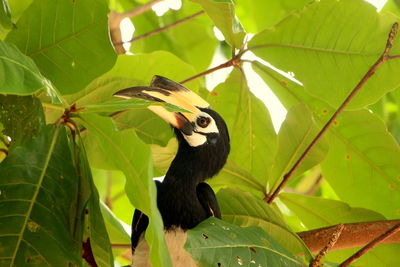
(200, 128)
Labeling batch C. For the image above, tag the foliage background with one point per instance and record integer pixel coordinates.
(59, 68)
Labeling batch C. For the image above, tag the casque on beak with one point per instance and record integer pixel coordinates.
(162, 89)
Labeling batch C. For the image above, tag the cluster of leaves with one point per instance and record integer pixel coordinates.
(70, 146)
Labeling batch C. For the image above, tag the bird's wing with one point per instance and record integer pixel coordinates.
(208, 200)
(139, 224)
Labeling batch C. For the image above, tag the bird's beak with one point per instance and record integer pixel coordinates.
(164, 90)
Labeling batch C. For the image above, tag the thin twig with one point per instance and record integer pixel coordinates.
(121, 246)
(232, 62)
(157, 31)
(371, 245)
(115, 19)
(384, 57)
(332, 241)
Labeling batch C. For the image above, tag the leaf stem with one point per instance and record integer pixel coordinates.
(166, 27)
(332, 241)
(371, 245)
(384, 57)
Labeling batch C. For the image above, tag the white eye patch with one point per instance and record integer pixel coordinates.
(200, 131)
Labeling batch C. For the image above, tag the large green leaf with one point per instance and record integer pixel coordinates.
(133, 158)
(5, 15)
(329, 46)
(295, 135)
(20, 74)
(257, 15)
(317, 212)
(222, 12)
(21, 116)
(362, 164)
(39, 186)
(95, 233)
(244, 209)
(197, 49)
(217, 243)
(253, 138)
(68, 40)
(116, 231)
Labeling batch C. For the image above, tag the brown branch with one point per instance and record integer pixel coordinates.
(332, 241)
(115, 18)
(232, 62)
(353, 235)
(384, 57)
(121, 246)
(108, 200)
(169, 26)
(395, 229)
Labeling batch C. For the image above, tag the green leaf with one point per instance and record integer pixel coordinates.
(392, 6)
(19, 72)
(197, 49)
(5, 15)
(71, 43)
(244, 209)
(329, 46)
(257, 15)
(95, 233)
(39, 187)
(214, 241)
(295, 135)
(143, 67)
(253, 138)
(315, 212)
(21, 116)
(133, 158)
(222, 12)
(116, 231)
(363, 153)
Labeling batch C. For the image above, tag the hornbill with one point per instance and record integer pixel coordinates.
(183, 198)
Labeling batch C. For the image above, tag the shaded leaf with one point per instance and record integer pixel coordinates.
(5, 15)
(39, 186)
(21, 116)
(214, 241)
(253, 138)
(334, 44)
(363, 153)
(19, 72)
(244, 209)
(224, 17)
(71, 45)
(295, 135)
(133, 158)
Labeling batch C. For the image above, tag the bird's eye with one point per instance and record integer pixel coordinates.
(203, 122)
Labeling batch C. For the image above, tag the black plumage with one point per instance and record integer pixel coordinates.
(183, 197)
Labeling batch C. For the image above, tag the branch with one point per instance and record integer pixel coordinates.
(384, 57)
(353, 235)
(157, 31)
(392, 231)
(115, 18)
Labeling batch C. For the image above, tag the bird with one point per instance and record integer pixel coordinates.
(184, 199)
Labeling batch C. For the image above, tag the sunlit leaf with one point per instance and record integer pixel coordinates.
(224, 17)
(257, 15)
(329, 46)
(215, 242)
(295, 135)
(253, 138)
(68, 40)
(20, 74)
(116, 231)
(362, 163)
